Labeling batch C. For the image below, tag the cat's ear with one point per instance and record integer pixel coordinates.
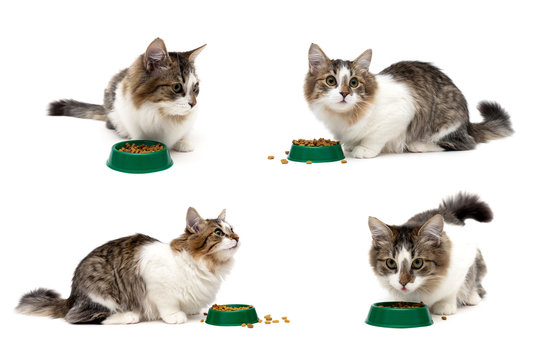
(192, 55)
(363, 61)
(222, 215)
(380, 232)
(432, 230)
(193, 220)
(156, 56)
(317, 60)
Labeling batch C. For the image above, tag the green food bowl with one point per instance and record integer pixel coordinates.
(134, 163)
(316, 154)
(232, 318)
(398, 318)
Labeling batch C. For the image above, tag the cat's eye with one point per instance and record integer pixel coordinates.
(218, 232)
(417, 263)
(354, 83)
(331, 81)
(176, 87)
(391, 264)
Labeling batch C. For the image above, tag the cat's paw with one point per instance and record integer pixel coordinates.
(128, 317)
(473, 299)
(184, 145)
(178, 317)
(361, 152)
(444, 308)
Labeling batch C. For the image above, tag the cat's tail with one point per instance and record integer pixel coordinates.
(68, 107)
(496, 123)
(43, 302)
(456, 209)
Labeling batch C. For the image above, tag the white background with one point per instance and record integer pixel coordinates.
(303, 228)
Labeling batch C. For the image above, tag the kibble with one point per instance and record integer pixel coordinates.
(230, 308)
(202, 320)
(403, 305)
(343, 161)
(243, 325)
(287, 152)
(315, 142)
(271, 157)
(140, 149)
(287, 321)
(267, 322)
(443, 317)
(275, 321)
(284, 161)
(309, 162)
(250, 326)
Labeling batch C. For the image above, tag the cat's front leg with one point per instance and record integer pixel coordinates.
(446, 306)
(185, 144)
(367, 149)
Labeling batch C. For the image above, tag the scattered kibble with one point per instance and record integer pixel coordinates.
(271, 157)
(243, 325)
(287, 152)
(315, 142)
(287, 321)
(250, 326)
(140, 149)
(205, 314)
(202, 320)
(284, 161)
(284, 317)
(267, 322)
(443, 317)
(275, 321)
(309, 162)
(343, 161)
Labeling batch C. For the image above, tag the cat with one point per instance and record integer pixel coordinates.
(138, 278)
(154, 99)
(410, 106)
(418, 261)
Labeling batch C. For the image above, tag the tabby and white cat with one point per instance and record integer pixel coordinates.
(409, 106)
(139, 278)
(418, 261)
(154, 99)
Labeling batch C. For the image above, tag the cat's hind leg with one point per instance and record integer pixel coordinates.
(457, 140)
(120, 318)
(86, 311)
(421, 147)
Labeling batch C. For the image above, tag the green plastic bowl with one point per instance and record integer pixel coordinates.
(139, 163)
(316, 154)
(398, 318)
(232, 318)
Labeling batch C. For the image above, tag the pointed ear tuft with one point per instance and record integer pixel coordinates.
(317, 60)
(156, 56)
(380, 232)
(193, 220)
(432, 230)
(364, 60)
(222, 215)
(192, 55)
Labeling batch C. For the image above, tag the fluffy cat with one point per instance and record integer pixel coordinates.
(418, 261)
(154, 99)
(138, 278)
(409, 106)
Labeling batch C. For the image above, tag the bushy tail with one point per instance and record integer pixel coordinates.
(77, 109)
(496, 123)
(43, 302)
(455, 209)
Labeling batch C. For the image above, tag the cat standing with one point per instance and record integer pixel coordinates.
(418, 261)
(154, 99)
(409, 106)
(138, 278)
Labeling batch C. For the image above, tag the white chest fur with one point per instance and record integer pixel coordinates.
(176, 278)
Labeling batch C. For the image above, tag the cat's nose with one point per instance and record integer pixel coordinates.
(403, 283)
(344, 93)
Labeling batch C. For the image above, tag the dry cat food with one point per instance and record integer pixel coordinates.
(230, 308)
(315, 142)
(271, 157)
(443, 317)
(403, 305)
(309, 162)
(284, 161)
(140, 149)
(343, 161)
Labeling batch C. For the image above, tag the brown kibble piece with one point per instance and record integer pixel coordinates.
(343, 161)
(287, 321)
(287, 152)
(284, 317)
(443, 317)
(205, 314)
(267, 322)
(230, 308)
(309, 162)
(243, 325)
(275, 321)
(250, 326)
(202, 320)
(284, 161)
(271, 157)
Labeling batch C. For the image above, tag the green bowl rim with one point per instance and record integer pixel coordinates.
(165, 148)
